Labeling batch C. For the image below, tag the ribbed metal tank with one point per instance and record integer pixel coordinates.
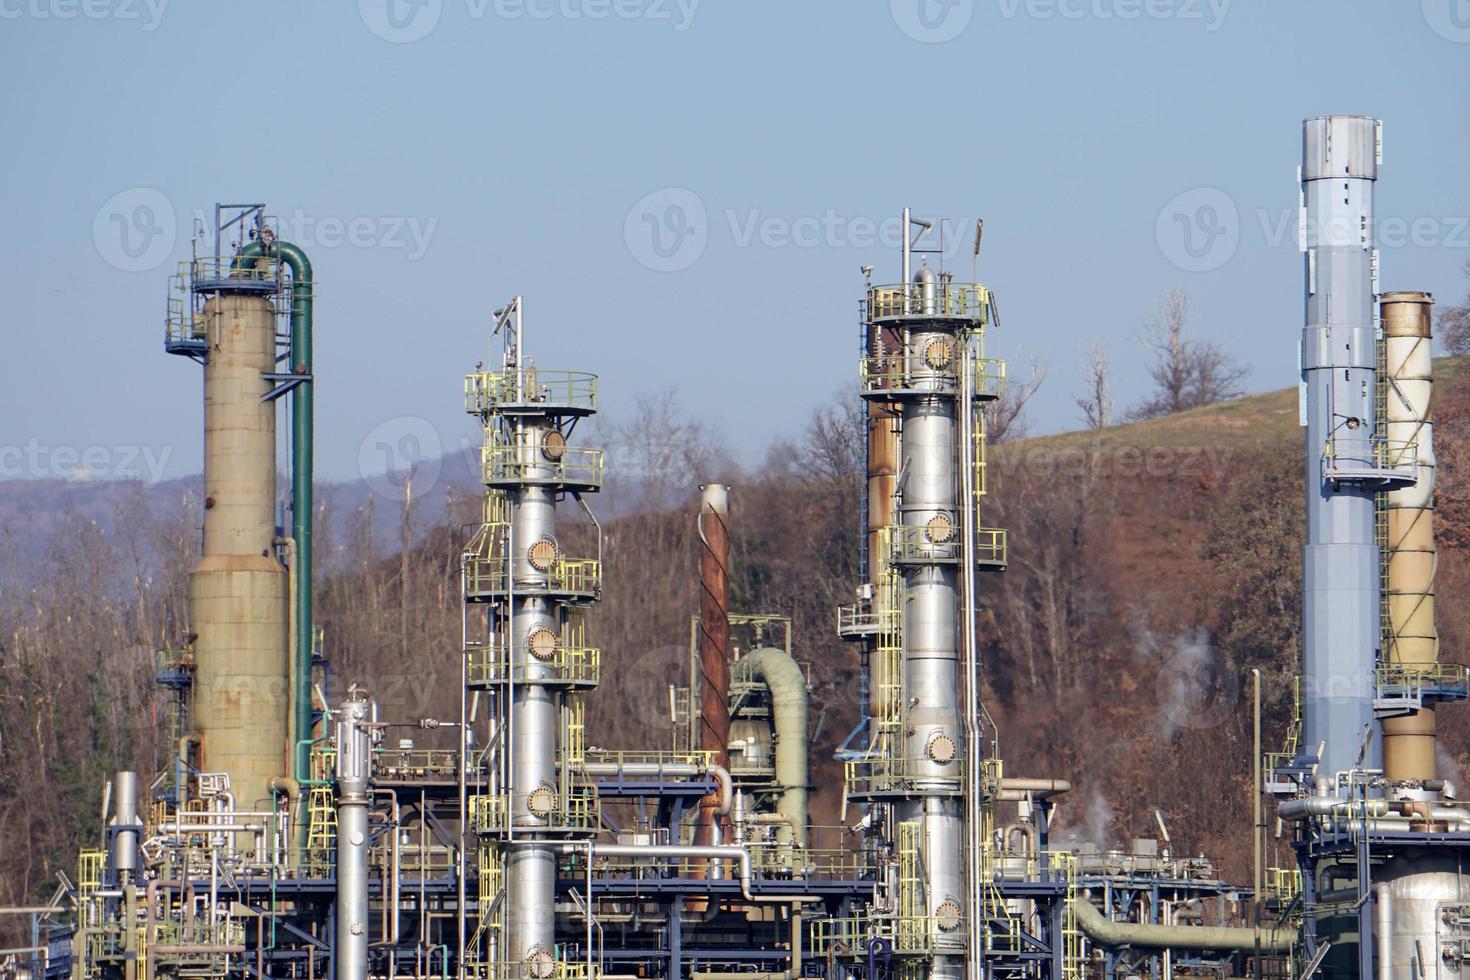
(239, 608)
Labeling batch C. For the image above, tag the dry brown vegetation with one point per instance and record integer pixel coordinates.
(1152, 566)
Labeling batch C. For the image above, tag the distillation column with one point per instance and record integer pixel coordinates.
(1340, 618)
(239, 610)
(533, 665)
(929, 532)
(920, 337)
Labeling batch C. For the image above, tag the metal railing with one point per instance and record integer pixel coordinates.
(577, 666)
(1418, 681)
(967, 300)
(502, 465)
(486, 575)
(415, 763)
(1348, 456)
(912, 371)
(888, 776)
(549, 969)
(644, 759)
(530, 390)
(574, 811)
(913, 544)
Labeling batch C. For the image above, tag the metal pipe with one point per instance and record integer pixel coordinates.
(1147, 935)
(1383, 928)
(783, 679)
(1389, 811)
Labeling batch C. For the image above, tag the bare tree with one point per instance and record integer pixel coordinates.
(1005, 418)
(1186, 373)
(1454, 323)
(1096, 397)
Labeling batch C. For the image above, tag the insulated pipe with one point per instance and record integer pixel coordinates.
(1341, 587)
(1383, 927)
(1411, 637)
(303, 285)
(354, 766)
(782, 677)
(1145, 935)
(1039, 789)
(1388, 811)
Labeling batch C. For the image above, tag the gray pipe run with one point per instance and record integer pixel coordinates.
(1395, 813)
(354, 760)
(782, 677)
(1146, 935)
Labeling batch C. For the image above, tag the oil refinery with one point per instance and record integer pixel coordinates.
(299, 832)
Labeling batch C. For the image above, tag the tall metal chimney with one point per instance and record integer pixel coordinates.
(1340, 614)
(714, 640)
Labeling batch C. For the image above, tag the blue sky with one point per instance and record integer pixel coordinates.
(439, 156)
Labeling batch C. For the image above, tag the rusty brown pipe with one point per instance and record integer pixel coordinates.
(714, 650)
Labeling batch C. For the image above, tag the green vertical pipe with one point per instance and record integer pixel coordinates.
(302, 455)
